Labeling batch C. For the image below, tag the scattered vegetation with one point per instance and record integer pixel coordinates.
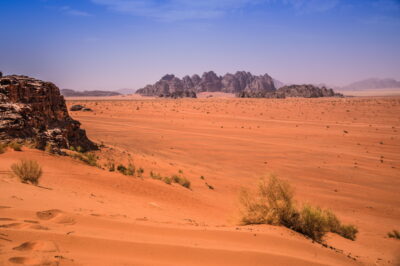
(15, 146)
(394, 234)
(273, 204)
(88, 158)
(183, 181)
(129, 170)
(110, 165)
(28, 171)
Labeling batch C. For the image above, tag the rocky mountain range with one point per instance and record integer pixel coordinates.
(96, 93)
(34, 110)
(171, 86)
(242, 84)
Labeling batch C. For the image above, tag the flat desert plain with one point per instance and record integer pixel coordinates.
(337, 153)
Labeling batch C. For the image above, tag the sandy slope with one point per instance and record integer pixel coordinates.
(338, 153)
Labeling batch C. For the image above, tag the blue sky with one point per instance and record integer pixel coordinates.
(112, 44)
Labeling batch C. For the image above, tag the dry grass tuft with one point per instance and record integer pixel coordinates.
(28, 171)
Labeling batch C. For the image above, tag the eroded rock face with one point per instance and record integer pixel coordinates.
(34, 110)
(170, 86)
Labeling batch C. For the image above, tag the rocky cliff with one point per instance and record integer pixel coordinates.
(171, 86)
(34, 110)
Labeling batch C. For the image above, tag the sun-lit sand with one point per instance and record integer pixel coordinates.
(338, 153)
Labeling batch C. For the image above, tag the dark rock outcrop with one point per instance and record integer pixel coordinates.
(76, 107)
(169, 86)
(304, 91)
(307, 91)
(34, 110)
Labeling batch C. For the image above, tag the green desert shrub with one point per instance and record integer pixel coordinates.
(394, 234)
(28, 171)
(273, 203)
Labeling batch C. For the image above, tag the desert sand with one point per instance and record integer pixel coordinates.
(338, 153)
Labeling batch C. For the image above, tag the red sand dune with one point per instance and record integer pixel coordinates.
(342, 154)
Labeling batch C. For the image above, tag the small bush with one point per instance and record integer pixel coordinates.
(348, 231)
(273, 204)
(88, 158)
(15, 146)
(28, 171)
(121, 168)
(91, 159)
(181, 181)
(155, 175)
(167, 180)
(3, 148)
(312, 222)
(140, 172)
(130, 170)
(394, 234)
(209, 186)
(110, 165)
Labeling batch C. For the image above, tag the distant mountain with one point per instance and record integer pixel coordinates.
(171, 86)
(126, 91)
(278, 84)
(72, 93)
(373, 83)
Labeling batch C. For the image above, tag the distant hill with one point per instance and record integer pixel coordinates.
(73, 93)
(126, 91)
(372, 84)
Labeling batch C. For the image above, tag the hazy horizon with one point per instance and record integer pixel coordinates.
(115, 44)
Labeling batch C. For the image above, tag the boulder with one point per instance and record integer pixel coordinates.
(76, 107)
